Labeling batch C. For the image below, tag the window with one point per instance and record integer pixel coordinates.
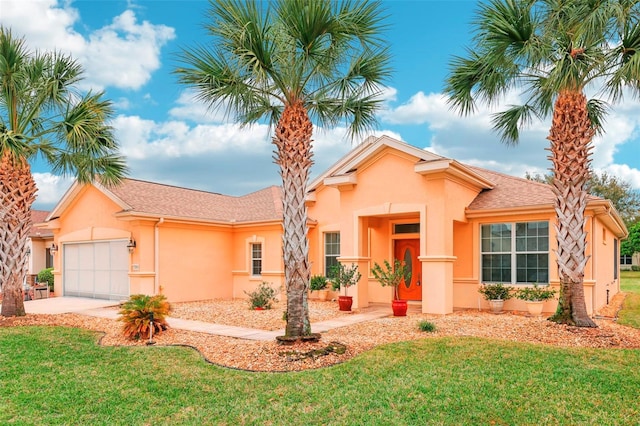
(626, 260)
(525, 245)
(256, 259)
(331, 251)
(406, 228)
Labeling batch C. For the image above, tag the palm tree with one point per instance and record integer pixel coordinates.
(290, 62)
(42, 114)
(553, 51)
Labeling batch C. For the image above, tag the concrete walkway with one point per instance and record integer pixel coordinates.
(96, 308)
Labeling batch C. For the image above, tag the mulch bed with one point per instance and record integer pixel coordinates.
(269, 356)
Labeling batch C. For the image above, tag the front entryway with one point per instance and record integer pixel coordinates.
(407, 251)
(98, 270)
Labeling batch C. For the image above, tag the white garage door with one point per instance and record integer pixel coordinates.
(98, 270)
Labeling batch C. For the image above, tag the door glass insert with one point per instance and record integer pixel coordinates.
(408, 269)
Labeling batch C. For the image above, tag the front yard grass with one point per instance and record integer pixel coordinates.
(57, 375)
(630, 313)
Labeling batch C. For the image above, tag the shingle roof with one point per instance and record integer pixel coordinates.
(167, 200)
(39, 216)
(512, 192)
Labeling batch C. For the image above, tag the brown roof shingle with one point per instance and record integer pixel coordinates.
(512, 192)
(167, 200)
(39, 216)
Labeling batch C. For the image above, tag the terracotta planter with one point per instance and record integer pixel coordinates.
(399, 308)
(496, 306)
(323, 294)
(345, 302)
(534, 308)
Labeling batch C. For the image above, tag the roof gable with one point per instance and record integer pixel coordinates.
(341, 173)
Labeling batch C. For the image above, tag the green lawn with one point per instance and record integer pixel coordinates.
(55, 375)
(630, 313)
(52, 375)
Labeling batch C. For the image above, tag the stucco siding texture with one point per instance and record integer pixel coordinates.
(166, 200)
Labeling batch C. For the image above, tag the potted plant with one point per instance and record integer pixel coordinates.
(496, 294)
(344, 276)
(534, 297)
(319, 283)
(392, 276)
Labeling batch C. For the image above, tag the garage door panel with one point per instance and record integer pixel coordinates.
(85, 257)
(97, 270)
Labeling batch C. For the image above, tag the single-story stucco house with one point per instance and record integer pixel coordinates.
(457, 226)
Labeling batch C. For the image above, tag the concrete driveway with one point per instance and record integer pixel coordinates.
(63, 305)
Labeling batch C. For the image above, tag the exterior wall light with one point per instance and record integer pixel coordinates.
(54, 248)
(132, 245)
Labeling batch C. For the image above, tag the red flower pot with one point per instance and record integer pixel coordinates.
(345, 302)
(399, 308)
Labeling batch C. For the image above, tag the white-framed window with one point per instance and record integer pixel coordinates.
(515, 253)
(256, 258)
(626, 260)
(331, 251)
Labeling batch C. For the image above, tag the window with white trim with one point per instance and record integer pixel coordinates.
(331, 251)
(626, 260)
(256, 259)
(515, 253)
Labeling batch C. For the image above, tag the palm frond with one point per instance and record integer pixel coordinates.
(597, 110)
(509, 122)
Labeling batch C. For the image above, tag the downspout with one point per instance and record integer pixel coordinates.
(156, 255)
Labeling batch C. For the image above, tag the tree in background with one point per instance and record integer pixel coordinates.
(292, 63)
(551, 51)
(631, 245)
(625, 199)
(42, 113)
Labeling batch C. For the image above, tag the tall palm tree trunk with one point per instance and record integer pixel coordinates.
(293, 142)
(17, 194)
(571, 134)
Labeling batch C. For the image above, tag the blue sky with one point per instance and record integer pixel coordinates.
(129, 48)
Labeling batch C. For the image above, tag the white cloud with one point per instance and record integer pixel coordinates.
(471, 139)
(122, 54)
(131, 48)
(190, 108)
(51, 188)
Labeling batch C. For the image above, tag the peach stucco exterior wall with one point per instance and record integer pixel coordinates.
(270, 237)
(193, 262)
(185, 261)
(89, 217)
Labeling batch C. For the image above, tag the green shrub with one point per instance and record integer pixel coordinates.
(46, 276)
(318, 282)
(140, 311)
(262, 297)
(496, 291)
(535, 293)
(635, 268)
(427, 326)
(344, 276)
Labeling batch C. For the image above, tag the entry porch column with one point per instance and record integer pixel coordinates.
(437, 284)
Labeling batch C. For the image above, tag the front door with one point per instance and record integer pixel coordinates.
(407, 251)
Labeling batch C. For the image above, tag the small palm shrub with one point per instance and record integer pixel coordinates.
(262, 297)
(46, 276)
(318, 282)
(427, 326)
(139, 311)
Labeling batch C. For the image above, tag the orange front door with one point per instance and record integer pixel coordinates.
(407, 251)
